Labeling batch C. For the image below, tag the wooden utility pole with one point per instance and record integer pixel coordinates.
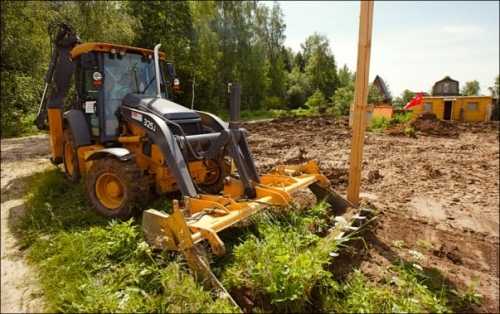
(360, 100)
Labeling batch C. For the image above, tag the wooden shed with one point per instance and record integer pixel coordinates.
(458, 108)
(447, 103)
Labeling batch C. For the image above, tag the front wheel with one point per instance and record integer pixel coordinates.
(116, 188)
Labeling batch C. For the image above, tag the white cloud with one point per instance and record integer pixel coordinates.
(464, 30)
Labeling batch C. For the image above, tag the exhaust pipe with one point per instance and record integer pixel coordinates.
(234, 105)
(157, 70)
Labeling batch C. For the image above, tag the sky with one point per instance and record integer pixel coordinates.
(414, 44)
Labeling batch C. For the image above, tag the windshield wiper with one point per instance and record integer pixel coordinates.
(147, 86)
(136, 80)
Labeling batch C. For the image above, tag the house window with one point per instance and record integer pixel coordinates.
(472, 106)
(428, 107)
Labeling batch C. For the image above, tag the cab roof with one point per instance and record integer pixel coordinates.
(107, 47)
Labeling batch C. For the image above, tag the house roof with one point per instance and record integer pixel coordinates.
(380, 84)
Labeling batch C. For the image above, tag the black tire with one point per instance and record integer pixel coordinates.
(71, 167)
(134, 187)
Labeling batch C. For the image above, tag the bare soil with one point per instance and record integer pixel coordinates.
(21, 158)
(441, 188)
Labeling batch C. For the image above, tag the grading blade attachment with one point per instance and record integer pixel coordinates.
(203, 217)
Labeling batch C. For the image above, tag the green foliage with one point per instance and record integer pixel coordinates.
(54, 205)
(320, 67)
(401, 117)
(285, 260)
(86, 264)
(345, 77)
(404, 292)
(471, 88)
(379, 124)
(316, 101)
(374, 95)
(406, 96)
(25, 49)
(299, 88)
(343, 99)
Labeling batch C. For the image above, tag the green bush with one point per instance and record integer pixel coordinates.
(401, 118)
(316, 100)
(285, 261)
(379, 123)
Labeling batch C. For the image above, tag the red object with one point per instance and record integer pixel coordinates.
(415, 101)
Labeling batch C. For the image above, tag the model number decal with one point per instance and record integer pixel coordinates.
(149, 124)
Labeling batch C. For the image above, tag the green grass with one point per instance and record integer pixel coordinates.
(403, 292)
(88, 264)
(284, 261)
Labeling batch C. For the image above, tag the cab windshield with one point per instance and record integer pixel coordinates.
(130, 73)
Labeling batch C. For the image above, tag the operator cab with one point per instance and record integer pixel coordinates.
(109, 75)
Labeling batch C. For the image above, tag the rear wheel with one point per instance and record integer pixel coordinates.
(116, 188)
(70, 157)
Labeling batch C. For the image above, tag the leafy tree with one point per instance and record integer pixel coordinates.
(343, 99)
(168, 23)
(298, 89)
(495, 89)
(299, 61)
(406, 96)
(320, 65)
(345, 77)
(471, 88)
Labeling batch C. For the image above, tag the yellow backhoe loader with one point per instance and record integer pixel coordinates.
(126, 138)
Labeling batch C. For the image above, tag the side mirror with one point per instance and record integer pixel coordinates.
(171, 71)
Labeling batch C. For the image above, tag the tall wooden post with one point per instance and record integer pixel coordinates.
(360, 101)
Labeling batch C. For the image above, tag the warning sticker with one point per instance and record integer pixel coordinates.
(136, 116)
(90, 107)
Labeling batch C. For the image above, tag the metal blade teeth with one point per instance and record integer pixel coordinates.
(358, 217)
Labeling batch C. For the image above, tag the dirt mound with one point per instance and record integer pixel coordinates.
(429, 124)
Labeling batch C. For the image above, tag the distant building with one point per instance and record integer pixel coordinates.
(447, 103)
(381, 109)
(379, 83)
(384, 108)
(446, 87)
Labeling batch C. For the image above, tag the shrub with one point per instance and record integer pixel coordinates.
(285, 261)
(401, 118)
(378, 123)
(316, 100)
